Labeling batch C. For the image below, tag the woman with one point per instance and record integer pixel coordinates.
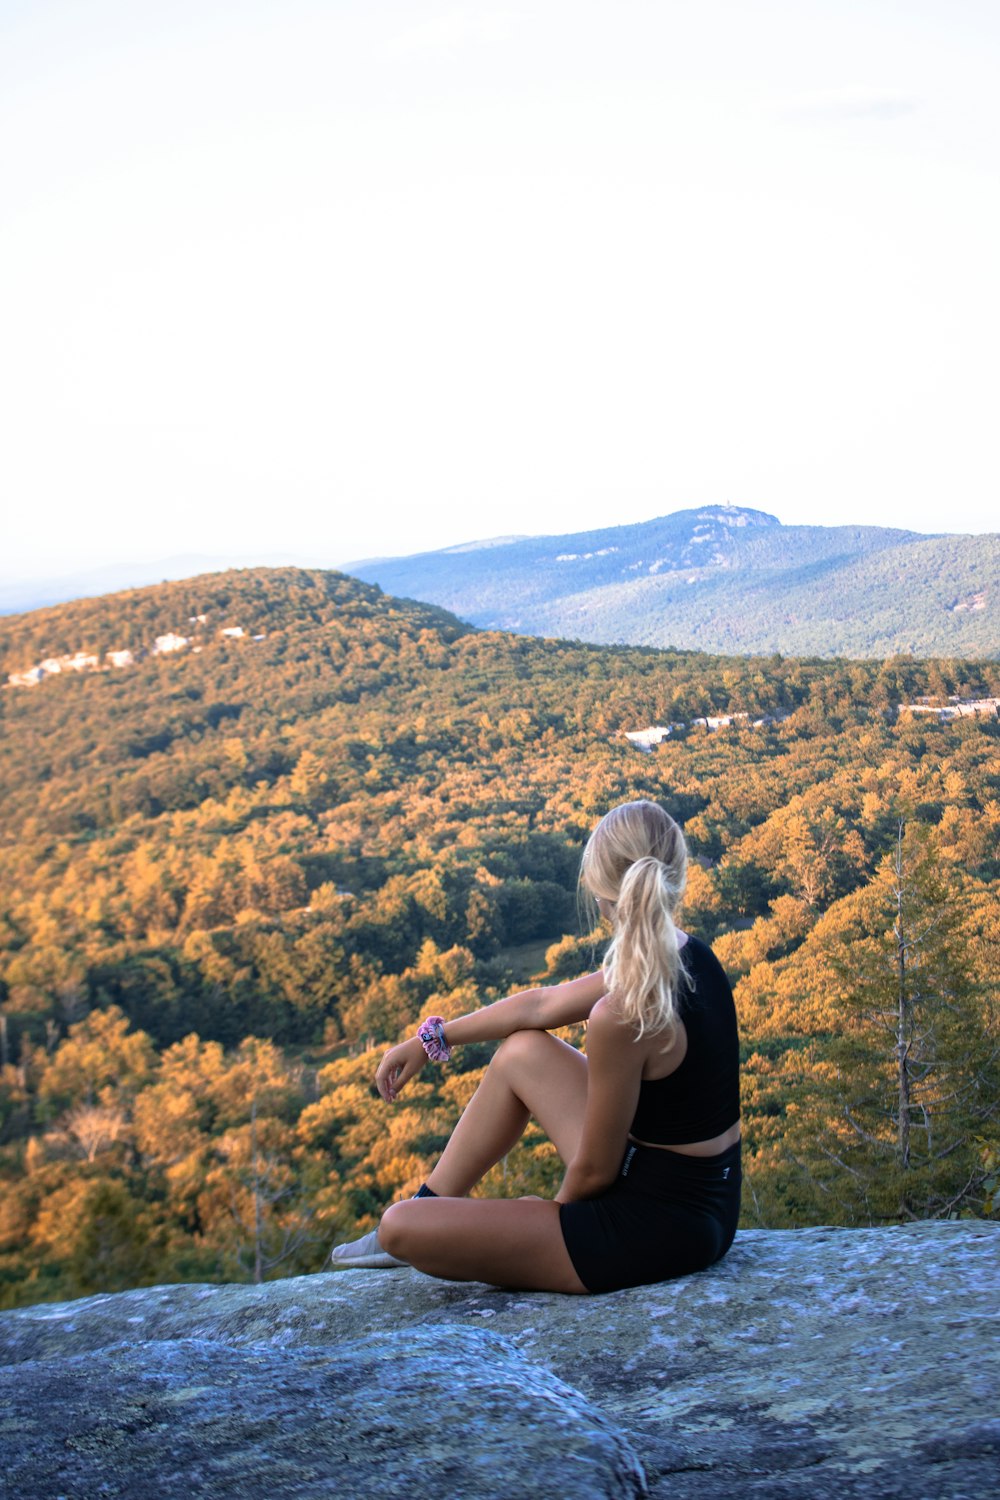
(647, 1123)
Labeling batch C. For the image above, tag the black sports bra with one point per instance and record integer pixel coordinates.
(701, 1098)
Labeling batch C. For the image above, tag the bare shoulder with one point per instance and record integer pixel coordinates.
(611, 1046)
(606, 1021)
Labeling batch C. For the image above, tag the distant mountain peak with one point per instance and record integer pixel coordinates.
(737, 515)
(723, 578)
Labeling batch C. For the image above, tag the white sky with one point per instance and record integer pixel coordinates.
(340, 279)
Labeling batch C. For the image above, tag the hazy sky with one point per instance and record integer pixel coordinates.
(340, 279)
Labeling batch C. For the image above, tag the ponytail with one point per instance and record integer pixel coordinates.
(637, 859)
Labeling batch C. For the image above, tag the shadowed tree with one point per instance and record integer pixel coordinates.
(910, 1071)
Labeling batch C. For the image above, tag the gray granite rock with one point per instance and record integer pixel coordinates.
(433, 1412)
(856, 1364)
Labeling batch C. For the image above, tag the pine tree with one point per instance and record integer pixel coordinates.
(909, 1075)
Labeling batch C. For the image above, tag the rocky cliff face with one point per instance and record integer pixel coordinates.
(822, 1362)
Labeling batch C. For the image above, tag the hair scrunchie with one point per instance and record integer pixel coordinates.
(431, 1034)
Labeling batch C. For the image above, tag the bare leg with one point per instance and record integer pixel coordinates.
(507, 1242)
(516, 1243)
(532, 1073)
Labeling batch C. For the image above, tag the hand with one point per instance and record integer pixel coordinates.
(398, 1066)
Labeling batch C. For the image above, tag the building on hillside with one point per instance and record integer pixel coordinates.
(235, 632)
(646, 739)
(170, 642)
(721, 721)
(986, 708)
(956, 708)
(121, 658)
(25, 679)
(80, 661)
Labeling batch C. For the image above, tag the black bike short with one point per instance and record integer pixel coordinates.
(665, 1215)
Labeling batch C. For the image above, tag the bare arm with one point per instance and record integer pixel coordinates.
(528, 1010)
(613, 1078)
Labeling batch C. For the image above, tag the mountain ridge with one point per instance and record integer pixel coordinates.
(723, 578)
(119, 577)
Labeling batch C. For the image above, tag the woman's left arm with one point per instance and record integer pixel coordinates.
(614, 1073)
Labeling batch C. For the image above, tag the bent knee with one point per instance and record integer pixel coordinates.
(521, 1046)
(392, 1229)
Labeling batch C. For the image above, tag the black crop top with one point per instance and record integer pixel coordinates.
(701, 1098)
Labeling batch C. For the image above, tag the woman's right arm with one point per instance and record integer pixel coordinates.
(528, 1010)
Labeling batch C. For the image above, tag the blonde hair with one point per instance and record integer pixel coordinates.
(636, 858)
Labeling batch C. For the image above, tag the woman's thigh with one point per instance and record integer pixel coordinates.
(506, 1242)
(550, 1078)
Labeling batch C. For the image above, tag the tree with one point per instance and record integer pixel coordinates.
(262, 1177)
(309, 778)
(912, 1063)
(101, 1059)
(92, 1128)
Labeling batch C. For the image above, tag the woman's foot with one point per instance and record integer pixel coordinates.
(365, 1254)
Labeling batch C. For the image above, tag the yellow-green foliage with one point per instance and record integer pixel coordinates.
(229, 878)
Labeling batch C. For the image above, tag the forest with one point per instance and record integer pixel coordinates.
(232, 873)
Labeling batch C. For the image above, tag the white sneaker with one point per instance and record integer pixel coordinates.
(366, 1254)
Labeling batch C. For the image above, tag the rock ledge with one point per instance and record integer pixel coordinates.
(856, 1364)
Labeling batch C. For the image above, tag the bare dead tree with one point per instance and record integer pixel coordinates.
(91, 1128)
(903, 1010)
(268, 1244)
